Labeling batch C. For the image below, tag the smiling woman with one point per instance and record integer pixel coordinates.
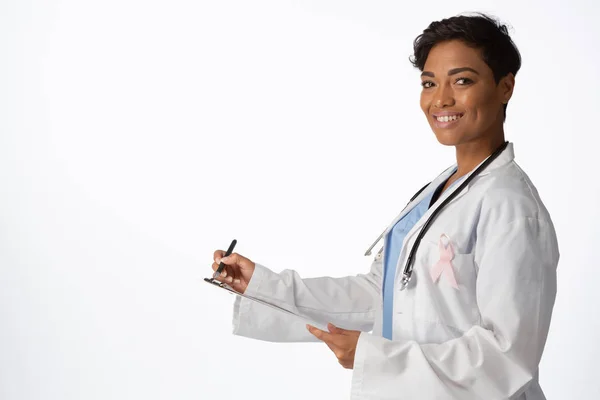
(468, 316)
(468, 66)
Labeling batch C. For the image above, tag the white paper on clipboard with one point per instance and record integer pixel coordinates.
(229, 289)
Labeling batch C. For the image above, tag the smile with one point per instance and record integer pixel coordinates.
(447, 118)
(446, 121)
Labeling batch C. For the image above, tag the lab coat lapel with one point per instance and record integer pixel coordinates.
(505, 157)
(435, 206)
(432, 186)
(412, 205)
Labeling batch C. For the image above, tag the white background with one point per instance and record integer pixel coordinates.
(136, 137)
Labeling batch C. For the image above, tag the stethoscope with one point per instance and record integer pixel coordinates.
(408, 267)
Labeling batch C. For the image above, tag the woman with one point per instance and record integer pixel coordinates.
(472, 320)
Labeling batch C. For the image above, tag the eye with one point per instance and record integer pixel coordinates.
(426, 84)
(463, 81)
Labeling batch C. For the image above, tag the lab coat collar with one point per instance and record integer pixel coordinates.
(504, 158)
(507, 156)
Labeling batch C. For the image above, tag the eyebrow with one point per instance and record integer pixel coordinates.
(451, 72)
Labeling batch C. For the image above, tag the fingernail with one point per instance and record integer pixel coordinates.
(229, 279)
(224, 259)
(236, 281)
(218, 260)
(223, 274)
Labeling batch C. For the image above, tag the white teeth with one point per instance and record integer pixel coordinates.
(446, 118)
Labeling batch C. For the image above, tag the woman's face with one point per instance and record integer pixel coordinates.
(460, 98)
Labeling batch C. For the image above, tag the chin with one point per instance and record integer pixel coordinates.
(448, 138)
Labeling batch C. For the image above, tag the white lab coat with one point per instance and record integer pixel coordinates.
(483, 341)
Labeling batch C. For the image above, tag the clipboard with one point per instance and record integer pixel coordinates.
(230, 290)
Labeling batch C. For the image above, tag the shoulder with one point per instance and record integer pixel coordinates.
(508, 194)
(513, 214)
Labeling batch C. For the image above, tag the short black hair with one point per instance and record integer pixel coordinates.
(479, 31)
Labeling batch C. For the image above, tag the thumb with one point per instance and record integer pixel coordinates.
(235, 259)
(231, 259)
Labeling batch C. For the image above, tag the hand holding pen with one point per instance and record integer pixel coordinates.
(232, 268)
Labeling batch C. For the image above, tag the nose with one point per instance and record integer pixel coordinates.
(444, 97)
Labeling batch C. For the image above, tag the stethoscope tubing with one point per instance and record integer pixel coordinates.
(408, 267)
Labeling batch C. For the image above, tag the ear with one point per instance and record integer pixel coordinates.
(506, 87)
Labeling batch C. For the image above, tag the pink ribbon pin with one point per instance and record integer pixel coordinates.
(444, 265)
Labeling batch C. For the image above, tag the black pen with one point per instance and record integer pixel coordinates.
(228, 253)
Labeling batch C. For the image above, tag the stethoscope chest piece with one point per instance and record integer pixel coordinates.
(405, 281)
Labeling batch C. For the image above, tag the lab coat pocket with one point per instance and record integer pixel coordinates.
(445, 292)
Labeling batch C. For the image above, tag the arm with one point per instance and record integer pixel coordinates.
(516, 288)
(352, 302)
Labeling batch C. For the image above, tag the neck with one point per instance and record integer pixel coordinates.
(471, 154)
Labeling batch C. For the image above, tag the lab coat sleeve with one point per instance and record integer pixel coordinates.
(516, 288)
(349, 302)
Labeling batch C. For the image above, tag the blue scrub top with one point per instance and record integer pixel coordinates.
(393, 247)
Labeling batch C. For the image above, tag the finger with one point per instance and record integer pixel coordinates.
(320, 334)
(317, 333)
(227, 270)
(334, 329)
(236, 259)
(232, 259)
(228, 280)
(339, 331)
(215, 266)
(224, 272)
(228, 274)
(240, 262)
(218, 254)
(230, 266)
